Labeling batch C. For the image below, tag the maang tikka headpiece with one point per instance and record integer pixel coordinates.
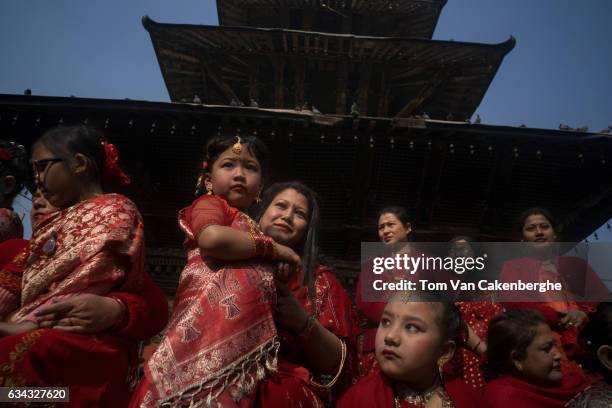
(237, 147)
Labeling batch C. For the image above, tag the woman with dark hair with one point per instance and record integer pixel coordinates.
(13, 175)
(566, 315)
(221, 341)
(599, 339)
(524, 367)
(477, 315)
(92, 245)
(314, 315)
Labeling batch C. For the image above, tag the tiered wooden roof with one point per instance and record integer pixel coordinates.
(383, 18)
(281, 68)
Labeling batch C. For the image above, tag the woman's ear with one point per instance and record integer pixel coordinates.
(518, 363)
(604, 354)
(408, 228)
(82, 164)
(447, 352)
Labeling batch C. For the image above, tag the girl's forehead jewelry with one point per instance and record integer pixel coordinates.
(237, 147)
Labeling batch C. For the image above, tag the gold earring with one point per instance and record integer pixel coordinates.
(441, 368)
(258, 198)
(209, 189)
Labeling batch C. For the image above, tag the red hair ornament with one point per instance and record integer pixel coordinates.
(111, 168)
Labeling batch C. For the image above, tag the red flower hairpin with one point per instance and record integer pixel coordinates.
(111, 165)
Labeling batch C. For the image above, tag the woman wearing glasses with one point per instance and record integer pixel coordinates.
(92, 245)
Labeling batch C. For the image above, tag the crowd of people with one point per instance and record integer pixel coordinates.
(257, 321)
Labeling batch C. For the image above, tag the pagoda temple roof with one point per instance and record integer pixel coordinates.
(456, 178)
(285, 68)
(384, 18)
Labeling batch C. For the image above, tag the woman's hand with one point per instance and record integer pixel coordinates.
(289, 313)
(86, 313)
(572, 318)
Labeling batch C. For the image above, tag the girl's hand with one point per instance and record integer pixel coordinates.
(86, 313)
(572, 318)
(287, 255)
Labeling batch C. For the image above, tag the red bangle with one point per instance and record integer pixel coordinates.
(264, 247)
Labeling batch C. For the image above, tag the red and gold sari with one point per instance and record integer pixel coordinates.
(221, 339)
(13, 258)
(95, 246)
(477, 315)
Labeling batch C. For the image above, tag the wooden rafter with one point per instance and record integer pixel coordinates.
(426, 92)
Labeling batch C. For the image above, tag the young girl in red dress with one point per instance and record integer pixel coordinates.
(524, 366)
(221, 340)
(415, 338)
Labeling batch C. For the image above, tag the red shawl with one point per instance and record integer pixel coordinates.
(221, 339)
(577, 275)
(510, 392)
(95, 246)
(376, 391)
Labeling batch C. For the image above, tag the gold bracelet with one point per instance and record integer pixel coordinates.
(340, 368)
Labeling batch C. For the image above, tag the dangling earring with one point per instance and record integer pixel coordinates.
(258, 198)
(209, 189)
(441, 369)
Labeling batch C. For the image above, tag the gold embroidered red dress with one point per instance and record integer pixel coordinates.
(221, 339)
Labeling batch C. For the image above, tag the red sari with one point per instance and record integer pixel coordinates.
(10, 225)
(221, 339)
(13, 257)
(510, 392)
(574, 273)
(466, 363)
(376, 391)
(95, 246)
(292, 385)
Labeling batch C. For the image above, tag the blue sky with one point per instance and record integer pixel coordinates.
(559, 71)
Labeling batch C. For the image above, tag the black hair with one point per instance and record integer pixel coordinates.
(599, 333)
(220, 143)
(15, 163)
(450, 322)
(309, 246)
(400, 212)
(510, 334)
(67, 141)
(536, 211)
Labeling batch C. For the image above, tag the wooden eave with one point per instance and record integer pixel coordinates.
(198, 59)
(403, 18)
